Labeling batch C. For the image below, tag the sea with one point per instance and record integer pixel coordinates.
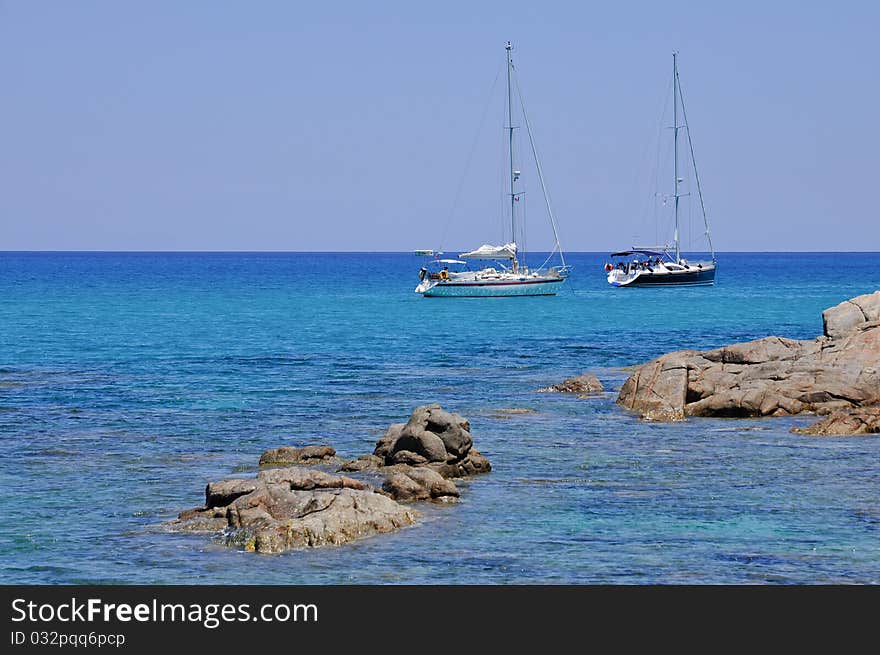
(130, 380)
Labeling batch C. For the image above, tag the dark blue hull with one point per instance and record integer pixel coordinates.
(692, 277)
(702, 274)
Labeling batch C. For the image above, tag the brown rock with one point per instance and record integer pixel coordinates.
(408, 483)
(295, 508)
(773, 376)
(472, 464)
(581, 384)
(220, 494)
(302, 479)
(289, 455)
(363, 463)
(408, 457)
(861, 420)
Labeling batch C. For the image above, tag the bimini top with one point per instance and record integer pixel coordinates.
(447, 261)
(627, 253)
(487, 251)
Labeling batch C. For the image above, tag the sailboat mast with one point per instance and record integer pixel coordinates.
(675, 147)
(510, 128)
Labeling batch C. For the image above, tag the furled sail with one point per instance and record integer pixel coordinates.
(487, 251)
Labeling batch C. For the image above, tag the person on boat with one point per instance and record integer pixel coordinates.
(444, 274)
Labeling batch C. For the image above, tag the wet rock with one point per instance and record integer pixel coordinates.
(289, 455)
(582, 384)
(772, 376)
(861, 420)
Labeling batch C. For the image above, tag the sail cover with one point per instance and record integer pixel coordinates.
(487, 251)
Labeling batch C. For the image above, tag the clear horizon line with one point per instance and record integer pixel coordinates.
(395, 252)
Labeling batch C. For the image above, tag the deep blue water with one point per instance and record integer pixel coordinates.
(129, 380)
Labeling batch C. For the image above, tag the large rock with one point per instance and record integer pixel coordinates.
(431, 433)
(773, 376)
(294, 507)
(844, 318)
(861, 420)
(582, 384)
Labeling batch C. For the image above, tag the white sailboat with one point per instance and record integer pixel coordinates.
(508, 275)
(656, 266)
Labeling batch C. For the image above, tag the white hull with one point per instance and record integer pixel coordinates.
(490, 288)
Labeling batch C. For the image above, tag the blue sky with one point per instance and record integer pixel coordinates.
(355, 126)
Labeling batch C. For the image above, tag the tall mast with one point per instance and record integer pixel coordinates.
(687, 127)
(675, 147)
(510, 127)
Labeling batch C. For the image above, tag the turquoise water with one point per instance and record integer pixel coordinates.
(127, 381)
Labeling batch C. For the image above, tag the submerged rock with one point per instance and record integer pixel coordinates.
(582, 384)
(772, 376)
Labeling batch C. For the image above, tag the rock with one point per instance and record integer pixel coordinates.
(843, 319)
(473, 464)
(220, 494)
(431, 433)
(302, 479)
(658, 390)
(403, 488)
(295, 507)
(861, 420)
(291, 507)
(363, 463)
(349, 515)
(427, 444)
(582, 384)
(290, 455)
(408, 483)
(507, 412)
(408, 457)
(385, 445)
(772, 376)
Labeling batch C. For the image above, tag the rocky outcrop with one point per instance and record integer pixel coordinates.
(420, 457)
(861, 420)
(433, 437)
(773, 376)
(583, 385)
(288, 508)
(286, 455)
(297, 507)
